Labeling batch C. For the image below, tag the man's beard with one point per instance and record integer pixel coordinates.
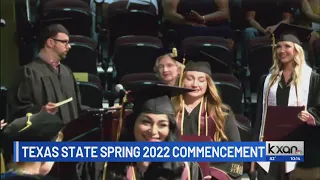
(63, 55)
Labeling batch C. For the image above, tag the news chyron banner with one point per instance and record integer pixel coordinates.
(271, 151)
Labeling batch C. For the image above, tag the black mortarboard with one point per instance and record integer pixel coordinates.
(153, 97)
(38, 127)
(200, 66)
(292, 33)
(177, 55)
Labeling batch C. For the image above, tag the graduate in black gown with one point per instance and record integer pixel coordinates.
(45, 81)
(38, 127)
(152, 119)
(202, 113)
(290, 78)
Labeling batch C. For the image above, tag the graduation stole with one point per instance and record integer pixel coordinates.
(298, 95)
(204, 122)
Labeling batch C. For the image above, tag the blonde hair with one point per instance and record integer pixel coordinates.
(299, 61)
(170, 55)
(216, 109)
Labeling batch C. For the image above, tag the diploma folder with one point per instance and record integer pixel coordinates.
(282, 122)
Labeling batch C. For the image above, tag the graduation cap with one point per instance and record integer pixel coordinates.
(174, 54)
(292, 33)
(150, 97)
(200, 66)
(38, 127)
(153, 97)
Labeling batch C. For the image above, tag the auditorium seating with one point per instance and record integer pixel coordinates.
(91, 91)
(123, 21)
(75, 15)
(132, 39)
(259, 58)
(82, 57)
(218, 52)
(135, 54)
(230, 91)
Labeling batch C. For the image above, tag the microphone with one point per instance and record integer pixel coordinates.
(119, 88)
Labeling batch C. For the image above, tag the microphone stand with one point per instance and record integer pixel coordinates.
(100, 112)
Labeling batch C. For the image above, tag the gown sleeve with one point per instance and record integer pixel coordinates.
(257, 123)
(21, 95)
(314, 107)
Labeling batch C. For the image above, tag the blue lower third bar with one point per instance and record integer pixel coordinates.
(285, 158)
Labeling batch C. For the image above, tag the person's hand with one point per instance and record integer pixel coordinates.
(50, 108)
(195, 17)
(304, 116)
(270, 29)
(2, 124)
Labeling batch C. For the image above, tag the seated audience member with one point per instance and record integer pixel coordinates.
(198, 18)
(309, 17)
(263, 16)
(152, 120)
(202, 113)
(38, 127)
(168, 68)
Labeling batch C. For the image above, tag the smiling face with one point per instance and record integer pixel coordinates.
(197, 81)
(286, 52)
(151, 127)
(168, 69)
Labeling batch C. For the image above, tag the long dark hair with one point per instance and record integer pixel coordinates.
(127, 133)
(117, 171)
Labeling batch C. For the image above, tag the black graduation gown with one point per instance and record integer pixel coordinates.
(190, 126)
(38, 83)
(307, 133)
(115, 171)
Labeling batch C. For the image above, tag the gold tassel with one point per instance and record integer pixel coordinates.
(181, 72)
(175, 52)
(2, 163)
(124, 100)
(29, 123)
(273, 43)
(122, 110)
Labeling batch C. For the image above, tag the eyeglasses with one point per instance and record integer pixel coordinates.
(65, 42)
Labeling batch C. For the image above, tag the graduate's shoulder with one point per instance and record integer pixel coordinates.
(263, 78)
(29, 69)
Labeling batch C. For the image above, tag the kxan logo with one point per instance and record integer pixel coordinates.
(285, 148)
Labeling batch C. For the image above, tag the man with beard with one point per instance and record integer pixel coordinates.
(44, 82)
